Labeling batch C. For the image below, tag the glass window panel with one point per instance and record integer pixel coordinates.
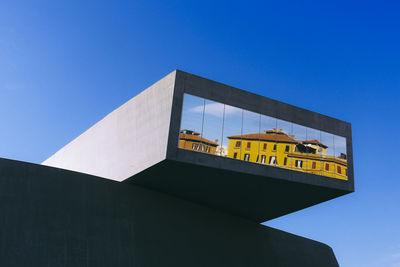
(315, 149)
(341, 157)
(232, 131)
(212, 128)
(191, 123)
(218, 129)
(285, 144)
(299, 159)
(328, 155)
(251, 136)
(268, 144)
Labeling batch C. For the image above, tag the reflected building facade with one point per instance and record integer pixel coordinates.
(193, 141)
(260, 139)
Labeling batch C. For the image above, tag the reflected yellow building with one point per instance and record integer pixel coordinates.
(276, 148)
(192, 140)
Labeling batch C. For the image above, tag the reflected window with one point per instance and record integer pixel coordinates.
(263, 157)
(232, 131)
(299, 163)
(251, 133)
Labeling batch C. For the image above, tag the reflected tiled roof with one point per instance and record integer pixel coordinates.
(275, 136)
(315, 142)
(196, 138)
(272, 136)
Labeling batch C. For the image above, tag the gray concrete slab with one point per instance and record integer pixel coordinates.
(53, 217)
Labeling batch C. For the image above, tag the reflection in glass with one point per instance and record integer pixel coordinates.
(233, 121)
(315, 148)
(341, 157)
(191, 124)
(268, 143)
(212, 127)
(328, 157)
(250, 136)
(218, 129)
(301, 152)
(285, 144)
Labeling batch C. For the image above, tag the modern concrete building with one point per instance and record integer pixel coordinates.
(182, 175)
(139, 143)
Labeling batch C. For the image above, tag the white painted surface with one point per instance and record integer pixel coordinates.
(128, 140)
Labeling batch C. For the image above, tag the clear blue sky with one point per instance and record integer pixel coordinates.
(66, 64)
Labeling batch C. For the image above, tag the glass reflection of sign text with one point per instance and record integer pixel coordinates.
(227, 131)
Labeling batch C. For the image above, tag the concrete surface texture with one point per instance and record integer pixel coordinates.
(128, 140)
(254, 197)
(54, 217)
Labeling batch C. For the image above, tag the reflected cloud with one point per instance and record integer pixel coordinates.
(396, 255)
(217, 110)
(340, 145)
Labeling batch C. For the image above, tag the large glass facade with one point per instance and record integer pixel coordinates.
(223, 130)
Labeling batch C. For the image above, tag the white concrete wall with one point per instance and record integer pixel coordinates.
(128, 140)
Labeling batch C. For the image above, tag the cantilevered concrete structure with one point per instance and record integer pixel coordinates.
(138, 143)
(180, 175)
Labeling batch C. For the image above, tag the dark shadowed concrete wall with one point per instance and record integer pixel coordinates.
(52, 217)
